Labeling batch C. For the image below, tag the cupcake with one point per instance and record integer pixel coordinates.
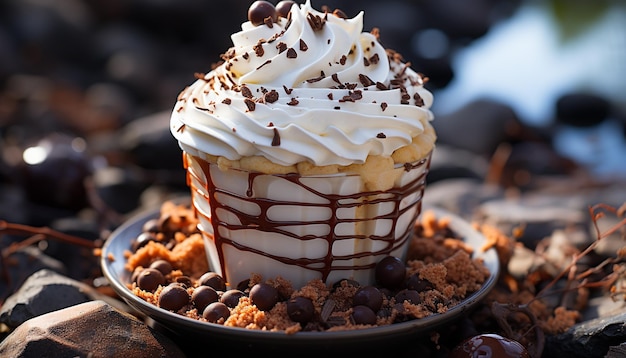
(306, 148)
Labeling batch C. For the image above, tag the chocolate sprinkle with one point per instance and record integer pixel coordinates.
(281, 47)
(365, 80)
(352, 96)
(250, 103)
(258, 49)
(316, 22)
(246, 92)
(291, 53)
(340, 14)
(276, 139)
(271, 96)
(419, 101)
(303, 45)
(264, 63)
(374, 59)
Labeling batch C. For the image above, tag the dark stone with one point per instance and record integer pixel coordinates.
(25, 262)
(87, 329)
(479, 126)
(46, 291)
(588, 339)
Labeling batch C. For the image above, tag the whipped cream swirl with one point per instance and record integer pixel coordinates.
(311, 87)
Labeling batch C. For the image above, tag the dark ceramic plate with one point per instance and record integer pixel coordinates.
(204, 333)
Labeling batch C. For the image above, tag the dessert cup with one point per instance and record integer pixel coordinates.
(302, 227)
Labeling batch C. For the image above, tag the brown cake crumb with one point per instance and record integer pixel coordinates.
(439, 264)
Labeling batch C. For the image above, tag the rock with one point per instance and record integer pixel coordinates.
(478, 127)
(588, 339)
(449, 162)
(46, 291)
(150, 143)
(91, 329)
(23, 263)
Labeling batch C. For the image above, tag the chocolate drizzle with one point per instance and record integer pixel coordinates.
(329, 262)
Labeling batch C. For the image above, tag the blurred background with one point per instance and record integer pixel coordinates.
(86, 87)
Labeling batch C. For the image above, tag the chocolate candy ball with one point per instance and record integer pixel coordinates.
(363, 315)
(231, 297)
(300, 309)
(390, 272)
(489, 346)
(264, 296)
(284, 7)
(173, 297)
(368, 296)
(261, 10)
(149, 279)
(414, 282)
(408, 295)
(162, 265)
(203, 296)
(216, 311)
(214, 280)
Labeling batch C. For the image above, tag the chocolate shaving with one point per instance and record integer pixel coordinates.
(281, 47)
(327, 309)
(199, 76)
(264, 63)
(268, 21)
(271, 96)
(330, 96)
(250, 103)
(343, 60)
(276, 139)
(405, 98)
(366, 62)
(365, 80)
(317, 79)
(419, 101)
(246, 92)
(291, 53)
(383, 106)
(303, 45)
(180, 129)
(258, 49)
(227, 101)
(293, 102)
(374, 59)
(340, 14)
(287, 90)
(381, 86)
(335, 78)
(245, 56)
(376, 32)
(381, 135)
(315, 21)
(352, 96)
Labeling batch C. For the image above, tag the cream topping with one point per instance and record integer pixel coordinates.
(310, 87)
